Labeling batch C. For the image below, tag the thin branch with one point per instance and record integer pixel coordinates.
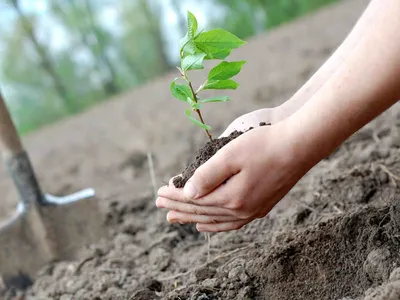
(198, 110)
(202, 121)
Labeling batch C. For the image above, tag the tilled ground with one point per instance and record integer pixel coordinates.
(335, 235)
(339, 238)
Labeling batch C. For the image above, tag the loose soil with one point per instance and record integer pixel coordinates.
(205, 153)
(334, 236)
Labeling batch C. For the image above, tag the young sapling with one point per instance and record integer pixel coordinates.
(215, 44)
(195, 47)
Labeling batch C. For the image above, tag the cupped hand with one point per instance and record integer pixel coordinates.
(254, 118)
(241, 182)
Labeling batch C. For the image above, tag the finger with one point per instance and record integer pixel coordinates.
(225, 195)
(220, 227)
(171, 181)
(172, 193)
(192, 208)
(218, 198)
(211, 174)
(183, 218)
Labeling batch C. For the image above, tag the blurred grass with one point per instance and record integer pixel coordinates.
(283, 11)
(34, 116)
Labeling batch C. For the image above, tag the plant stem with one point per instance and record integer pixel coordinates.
(198, 110)
(202, 121)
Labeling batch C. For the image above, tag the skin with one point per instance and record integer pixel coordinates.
(357, 83)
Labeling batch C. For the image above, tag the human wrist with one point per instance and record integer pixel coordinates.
(298, 156)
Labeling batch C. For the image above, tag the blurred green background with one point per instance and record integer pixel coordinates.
(59, 57)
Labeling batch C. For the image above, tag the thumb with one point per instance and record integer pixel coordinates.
(210, 175)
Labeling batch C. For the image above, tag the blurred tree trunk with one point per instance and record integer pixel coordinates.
(133, 68)
(263, 5)
(155, 30)
(45, 59)
(60, 12)
(78, 17)
(110, 84)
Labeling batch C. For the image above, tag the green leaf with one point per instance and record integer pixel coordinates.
(197, 105)
(196, 122)
(215, 99)
(218, 54)
(193, 62)
(188, 46)
(221, 85)
(181, 91)
(213, 53)
(199, 33)
(220, 39)
(192, 24)
(225, 70)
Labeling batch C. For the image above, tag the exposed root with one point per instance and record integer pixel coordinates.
(392, 176)
(152, 173)
(82, 263)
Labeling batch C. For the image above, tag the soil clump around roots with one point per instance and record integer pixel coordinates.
(205, 153)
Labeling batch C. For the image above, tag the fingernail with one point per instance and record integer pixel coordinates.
(190, 190)
(160, 190)
(158, 203)
(170, 219)
(199, 228)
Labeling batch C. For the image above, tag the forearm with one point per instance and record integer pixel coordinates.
(309, 89)
(365, 85)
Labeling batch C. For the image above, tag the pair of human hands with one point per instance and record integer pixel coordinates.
(242, 181)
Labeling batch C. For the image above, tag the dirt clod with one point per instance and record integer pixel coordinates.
(144, 294)
(377, 265)
(204, 154)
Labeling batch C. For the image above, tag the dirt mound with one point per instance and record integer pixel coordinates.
(339, 258)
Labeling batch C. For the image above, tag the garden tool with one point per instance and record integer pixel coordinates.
(44, 228)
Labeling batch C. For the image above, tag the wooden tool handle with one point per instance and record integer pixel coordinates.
(17, 161)
(9, 139)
